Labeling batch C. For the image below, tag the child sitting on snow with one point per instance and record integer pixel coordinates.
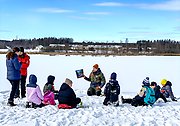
(166, 90)
(157, 91)
(145, 97)
(67, 97)
(112, 91)
(49, 92)
(34, 95)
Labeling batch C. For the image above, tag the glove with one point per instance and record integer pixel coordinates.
(98, 88)
(174, 100)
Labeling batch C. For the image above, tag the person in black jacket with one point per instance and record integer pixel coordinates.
(112, 91)
(157, 91)
(67, 95)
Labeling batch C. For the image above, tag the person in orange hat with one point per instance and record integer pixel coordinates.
(97, 80)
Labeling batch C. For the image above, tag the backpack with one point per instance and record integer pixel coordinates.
(150, 96)
(113, 92)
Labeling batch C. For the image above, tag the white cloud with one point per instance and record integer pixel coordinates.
(110, 4)
(169, 5)
(4, 31)
(140, 28)
(97, 13)
(177, 28)
(83, 18)
(53, 10)
(147, 33)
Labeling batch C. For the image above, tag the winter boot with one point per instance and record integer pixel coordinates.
(122, 99)
(28, 105)
(11, 103)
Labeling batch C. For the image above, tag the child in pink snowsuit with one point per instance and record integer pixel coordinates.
(49, 98)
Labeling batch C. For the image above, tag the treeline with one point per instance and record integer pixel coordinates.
(33, 43)
(67, 45)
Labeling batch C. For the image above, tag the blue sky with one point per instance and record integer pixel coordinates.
(90, 20)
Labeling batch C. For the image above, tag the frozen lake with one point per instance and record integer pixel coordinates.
(131, 70)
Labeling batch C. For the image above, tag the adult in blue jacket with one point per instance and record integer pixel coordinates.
(13, 72)
(67, 95)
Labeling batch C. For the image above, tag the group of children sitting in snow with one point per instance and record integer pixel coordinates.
(149, 93)
(65, 96)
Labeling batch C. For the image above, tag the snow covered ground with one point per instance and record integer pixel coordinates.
(130, 70)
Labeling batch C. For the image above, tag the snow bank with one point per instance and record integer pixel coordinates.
(94, 114)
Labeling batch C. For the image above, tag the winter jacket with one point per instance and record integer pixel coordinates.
(96, 78)
(158, 93)
(112, 90)
(13, 68)
(166, 90)
(66, 95)
(24, 60)
(33, 91)
(49, 98)
(149, 98)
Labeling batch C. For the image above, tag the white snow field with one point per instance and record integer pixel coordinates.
(131, 70)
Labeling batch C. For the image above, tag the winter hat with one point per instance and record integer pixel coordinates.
(96, 66)
(146, 82)
(21, 49)
(68, 81)
(113, 76)
(153, 83)
(15, 49)
(50, 79)
(163, 82)
(32, 79)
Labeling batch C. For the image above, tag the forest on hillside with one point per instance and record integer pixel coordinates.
(67, 45)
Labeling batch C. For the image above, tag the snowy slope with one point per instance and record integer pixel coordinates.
(131, 71)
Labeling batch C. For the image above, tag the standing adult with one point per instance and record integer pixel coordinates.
(24, 59)
(13, 72)
(97, 80)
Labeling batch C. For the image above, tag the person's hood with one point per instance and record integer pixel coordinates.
(97, 72)
(32, 81)
(50, 79)
(113, 76)
(168, 83)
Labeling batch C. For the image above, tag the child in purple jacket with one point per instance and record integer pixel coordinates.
(34, 94)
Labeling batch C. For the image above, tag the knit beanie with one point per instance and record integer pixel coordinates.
(96, 66)
(146, 82)
(68, 81)
(163, 82)
(113, 76)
